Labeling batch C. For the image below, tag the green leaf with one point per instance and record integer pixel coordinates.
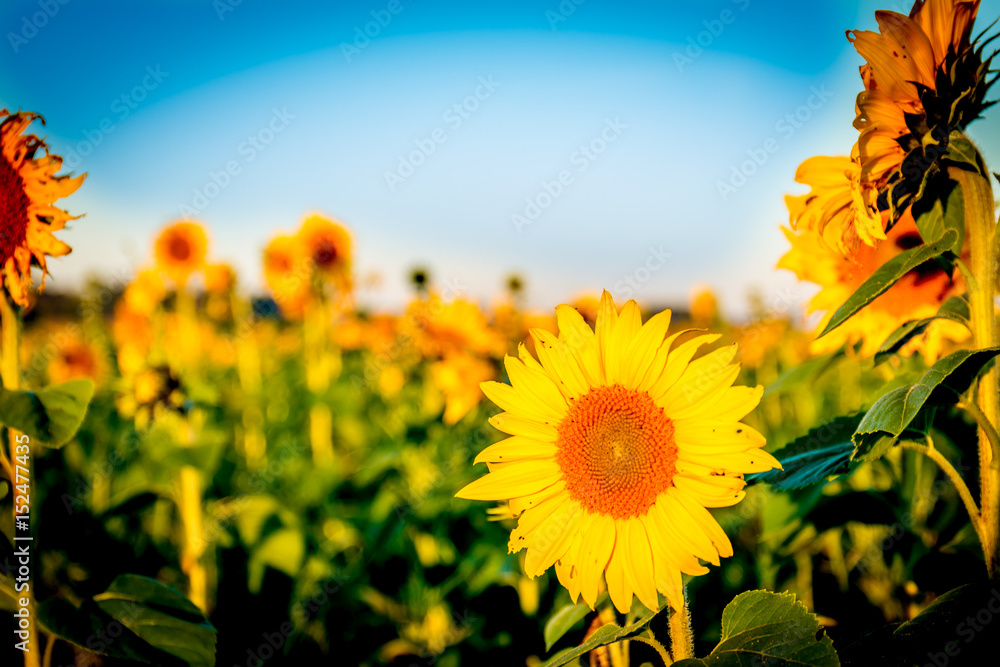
(162, 617)
(803, 374)
(90, 628)
(819, 454)
(955, 309)
(887, 275)
(49, 416)
(563, 621)
(604, 635)
(284, 550)
(136, 618)
(894, 413)
(774, 629)
(944, 210)
(963, 152)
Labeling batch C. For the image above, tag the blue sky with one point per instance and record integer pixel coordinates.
(570, 143)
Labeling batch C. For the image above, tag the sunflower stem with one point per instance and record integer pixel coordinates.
(315, 324)
(660, 649)
(10, 372)
(963, 490)
(980, 227)
(681, 638)
(190, 506)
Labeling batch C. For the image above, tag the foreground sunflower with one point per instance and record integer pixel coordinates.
(28, 218)
(923, 79)
(618, 445)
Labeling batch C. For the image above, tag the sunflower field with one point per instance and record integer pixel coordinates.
(197, 473)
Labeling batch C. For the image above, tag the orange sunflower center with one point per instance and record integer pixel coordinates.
(325, 253)
(14, 204)
(616, 451)
(179, 249)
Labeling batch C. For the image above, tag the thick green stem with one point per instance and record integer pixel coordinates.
(980, 227)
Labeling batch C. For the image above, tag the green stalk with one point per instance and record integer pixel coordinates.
(10, 372)
(980, 227)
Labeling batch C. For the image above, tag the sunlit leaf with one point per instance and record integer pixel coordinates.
(887, 275)
(565, 619)
(604, 635)
(49, 416)
(895, 412)
(765, 628)
(955, 309)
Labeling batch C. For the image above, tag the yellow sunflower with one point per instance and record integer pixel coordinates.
(618, 445)
(458, 377)
(287, 274)
(75, 357)
(442, 327)
(180, 250)
(219, 278)
(328, 248)
(917, 295)
(834, 206)
(903, 63)
(28, 188)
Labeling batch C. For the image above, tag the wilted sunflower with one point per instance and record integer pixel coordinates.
(923, 79)
(619, 444)
(28, 218)
(180, 250)
(328, 248)
(919, 294)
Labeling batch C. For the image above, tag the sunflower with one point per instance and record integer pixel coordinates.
(704, 307)
(917, 295)
(219, 278)
(328, 248)
(73, 358)
(28, 188)
(922, 80)
(180, 250)
(458, 377)
(441, 327)
(618, 445)
(834, 206)
(287, 274)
